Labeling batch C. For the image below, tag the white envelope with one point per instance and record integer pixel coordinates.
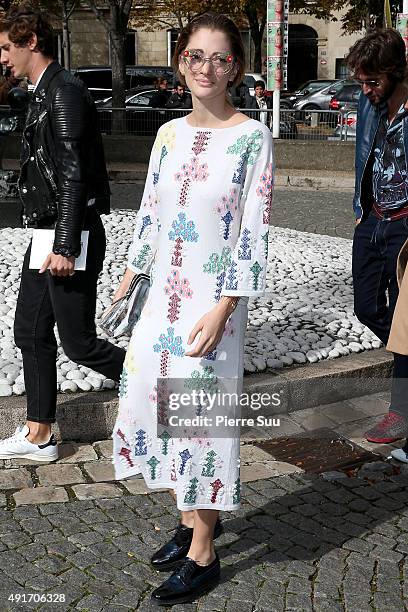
(43, 241)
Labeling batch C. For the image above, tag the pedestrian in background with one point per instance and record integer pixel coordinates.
(378, 63)
(262, 102)
(161, 97)
(63, 185)
(203, 223)
(180, 98)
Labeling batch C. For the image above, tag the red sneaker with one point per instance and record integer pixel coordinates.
(391, 428)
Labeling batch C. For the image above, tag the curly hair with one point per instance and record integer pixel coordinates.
(379, 52)
(24, 20)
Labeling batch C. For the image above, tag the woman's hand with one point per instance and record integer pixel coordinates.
(124, 285)
(211, 327)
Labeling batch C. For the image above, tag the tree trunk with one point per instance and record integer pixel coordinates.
(66, 44)
(257, 30)
(117, 37)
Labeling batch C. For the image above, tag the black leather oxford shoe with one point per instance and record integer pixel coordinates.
(187, 583)
(174, 551)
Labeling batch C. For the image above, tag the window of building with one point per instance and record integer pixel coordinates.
(58, 51)
(131, 48)
(342, 71)
(172, 36)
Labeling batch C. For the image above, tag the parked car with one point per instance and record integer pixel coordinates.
(98, 79)
(140, 117)
(348, 96)
(320, 100)
(310, 87)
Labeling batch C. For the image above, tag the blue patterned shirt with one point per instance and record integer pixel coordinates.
(390, 183)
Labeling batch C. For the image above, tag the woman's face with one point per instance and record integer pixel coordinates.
(208, 81)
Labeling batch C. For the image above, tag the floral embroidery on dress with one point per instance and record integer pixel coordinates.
(244, 252)
(247, 147)
(210, 462)
(205, 380)
(166, 137)
(182, 231)
(191, 491)
(264, 190)
(256, 270)
(176, 288)
(141, 259)
(215, 491)
(146, 221)
(192, 171)
(167, 346)
(226, 208)
(218, 264)
(201, 141)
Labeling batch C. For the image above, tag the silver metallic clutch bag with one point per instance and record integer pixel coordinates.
(120, 318)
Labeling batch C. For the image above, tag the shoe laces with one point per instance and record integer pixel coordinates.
(187, 570)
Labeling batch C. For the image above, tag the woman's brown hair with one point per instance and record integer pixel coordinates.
(24, 20)
(379, 52)
(212, 21)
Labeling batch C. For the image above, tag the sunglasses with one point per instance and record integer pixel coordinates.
(372, 83)
(222, 63)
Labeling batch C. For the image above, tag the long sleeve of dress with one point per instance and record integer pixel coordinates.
(147, 226)
(246, 273)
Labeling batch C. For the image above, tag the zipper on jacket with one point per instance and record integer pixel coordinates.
(366, 161)
(40, 152)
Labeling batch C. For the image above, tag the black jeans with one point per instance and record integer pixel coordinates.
(71, 303)
(375, 252)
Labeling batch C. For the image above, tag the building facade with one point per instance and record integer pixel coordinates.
(317, 48)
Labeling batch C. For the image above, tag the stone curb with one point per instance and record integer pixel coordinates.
(284, 177)
(91, 416)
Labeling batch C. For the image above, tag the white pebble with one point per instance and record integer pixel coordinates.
(5, 390)
(69, 386)
(108, 384)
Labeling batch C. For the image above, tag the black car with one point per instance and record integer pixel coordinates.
(348, 96)
(98, 79)
(141, 118)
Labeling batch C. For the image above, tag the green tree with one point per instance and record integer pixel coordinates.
(357, 14)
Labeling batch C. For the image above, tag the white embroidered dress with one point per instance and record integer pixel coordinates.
(203, 222)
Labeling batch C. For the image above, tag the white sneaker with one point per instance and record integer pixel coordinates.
(400, 455)
(18, 447)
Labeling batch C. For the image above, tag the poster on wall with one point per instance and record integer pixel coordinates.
(277, 44)
(402, 27)
(277, 72)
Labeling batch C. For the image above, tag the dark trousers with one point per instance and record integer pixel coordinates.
(71, 303)
(376, 246)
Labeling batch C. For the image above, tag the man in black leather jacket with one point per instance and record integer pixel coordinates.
(64, 186)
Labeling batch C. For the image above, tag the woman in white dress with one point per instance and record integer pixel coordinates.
(202, 232)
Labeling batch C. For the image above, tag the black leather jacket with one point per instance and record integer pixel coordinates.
(62, 160)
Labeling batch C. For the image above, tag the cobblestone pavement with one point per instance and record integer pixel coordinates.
(299, 542)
